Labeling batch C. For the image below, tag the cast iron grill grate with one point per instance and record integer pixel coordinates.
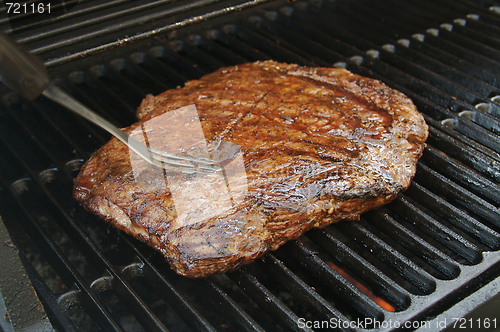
(417, 257)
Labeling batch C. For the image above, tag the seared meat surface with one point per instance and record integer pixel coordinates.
(316, 146)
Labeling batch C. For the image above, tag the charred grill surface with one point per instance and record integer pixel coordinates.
(319, 145)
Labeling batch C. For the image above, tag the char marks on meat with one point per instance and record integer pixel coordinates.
(319, 145)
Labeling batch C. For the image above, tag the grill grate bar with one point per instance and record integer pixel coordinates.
(300, 290)
(402, 62)
(82, 87)
(116, 84)
(153, 32)
(482, 120)
(333, 280)
(444, 214)
(493, 125)
(488, 119)
(233, 312)
(454, 215)
(267, 45)
(153, 66)
(483, 20)
(70, 15)
(474, 98)
(266, 300)
(421, 18)
(461, 51)
(111, 28)
(461, 28)
(336, 28)
(448, 86)
(477, 22)
(122, 288)
(387, 289)
(386, 25)
(416, 216)
(485, 50)
(314, 38)
(463, 175)
(93, 21)
(391, 257)
(58, 318)
(415, 244)
(33, 125)
(316, 52)
(404, 55)
(453, 61)
(439, 183)
(57, 259)
(227, 56)
(56, 314)
(435, 111)
(460, 151)
(119, 285)
(184, 309)
(206, 62)
(438, 130)
(20, 147)
(450, 8)
(411, 84)
(226, 39)
(144, 81)
(55, 7)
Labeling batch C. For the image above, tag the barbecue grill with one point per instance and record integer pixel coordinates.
(428, 261)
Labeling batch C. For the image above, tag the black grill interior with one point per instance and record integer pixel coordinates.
(415, 258)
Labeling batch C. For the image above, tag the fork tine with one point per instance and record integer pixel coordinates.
(182, 161)
(162, 154)
(187, 165)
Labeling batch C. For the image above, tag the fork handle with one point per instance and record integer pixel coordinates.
(61, 97)
(20, 70)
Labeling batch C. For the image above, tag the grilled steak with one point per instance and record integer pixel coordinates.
(314, 146)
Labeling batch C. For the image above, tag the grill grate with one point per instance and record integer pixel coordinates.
(97, 27)
(422, 254)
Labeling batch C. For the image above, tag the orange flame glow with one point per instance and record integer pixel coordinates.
(362, 288)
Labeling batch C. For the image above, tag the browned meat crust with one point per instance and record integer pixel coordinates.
(320, 145)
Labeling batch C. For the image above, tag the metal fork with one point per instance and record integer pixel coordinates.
(170, 162)
(27, 75)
